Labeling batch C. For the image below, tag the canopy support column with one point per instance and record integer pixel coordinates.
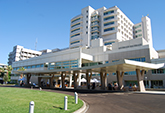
(51, 81)
(120, 79)
(70, 80)
(140, 78)
(75, 75)
(88, 78)
(63, 80)
(103, 77)
(39, 81)
(28, 79)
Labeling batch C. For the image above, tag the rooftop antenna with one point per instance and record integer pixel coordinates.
(36, 44)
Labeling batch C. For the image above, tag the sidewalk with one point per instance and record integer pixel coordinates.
(151, 92)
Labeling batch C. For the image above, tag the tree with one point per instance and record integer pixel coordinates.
(6, 73)
(5, 78)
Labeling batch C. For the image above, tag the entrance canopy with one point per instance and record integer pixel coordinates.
(122, 65)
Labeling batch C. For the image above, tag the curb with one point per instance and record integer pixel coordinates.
(83, 109)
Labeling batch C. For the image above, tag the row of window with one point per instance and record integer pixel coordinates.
(75, 30)
(30, 67)
(138, 31)
(109, 23)
(139, 35)
(108, 43)
(127, 73)
(76, 20)
(109, 29)
(91, 64)
(109, 12)
(75, 35)
(64, 64)
(108, 18)
(75, 25)
(137, 26)
(158, 71)
(75, 42)
(142, 59)
(94, 37)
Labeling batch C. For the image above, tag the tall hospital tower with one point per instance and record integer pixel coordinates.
(111, 24)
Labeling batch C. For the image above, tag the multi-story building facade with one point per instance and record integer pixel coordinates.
(21, 53)
(143, 30)
(111, 24)
(98, 37)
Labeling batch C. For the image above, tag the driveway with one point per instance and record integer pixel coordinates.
(121, 102)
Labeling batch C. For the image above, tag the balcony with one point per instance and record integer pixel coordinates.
(77, 26)
(95, 19)
(95, 24)
(78, 21)
(95, 29)
(75, 32)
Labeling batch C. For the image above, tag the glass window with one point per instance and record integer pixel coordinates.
(109, 29)
(109, 23)
(75, 42)
(108, 18)
(33, 66)
(137, 26)
(75, 25)
(76, 20)
(108, 43)
(75, 35)
(109, 12)
(138, 59)
(75, 30)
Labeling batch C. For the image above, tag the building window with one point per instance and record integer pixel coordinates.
(75, 35)
(74, 42)
(76, 20)
(108, 43)
(87, 32)
(87, 16)
(138, 35)
(108, 18)
(158, 71)
(138, 31)
(115, 60)
(86, 11)
(109, 23)
(109, 12)
(109, 29)
(138, 59)
(75, 25)
(75, 30)
(135, 27)
(94, 37)
(87, 27)
(86, 21)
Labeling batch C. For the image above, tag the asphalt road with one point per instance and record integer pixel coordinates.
(121, 102)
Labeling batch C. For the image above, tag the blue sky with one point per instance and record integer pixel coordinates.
(22, 21)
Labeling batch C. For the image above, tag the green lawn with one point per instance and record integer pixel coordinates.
(16, 100)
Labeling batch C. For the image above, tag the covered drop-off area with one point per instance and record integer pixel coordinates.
(103, 69)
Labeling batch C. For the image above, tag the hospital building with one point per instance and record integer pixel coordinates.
(104, 44)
